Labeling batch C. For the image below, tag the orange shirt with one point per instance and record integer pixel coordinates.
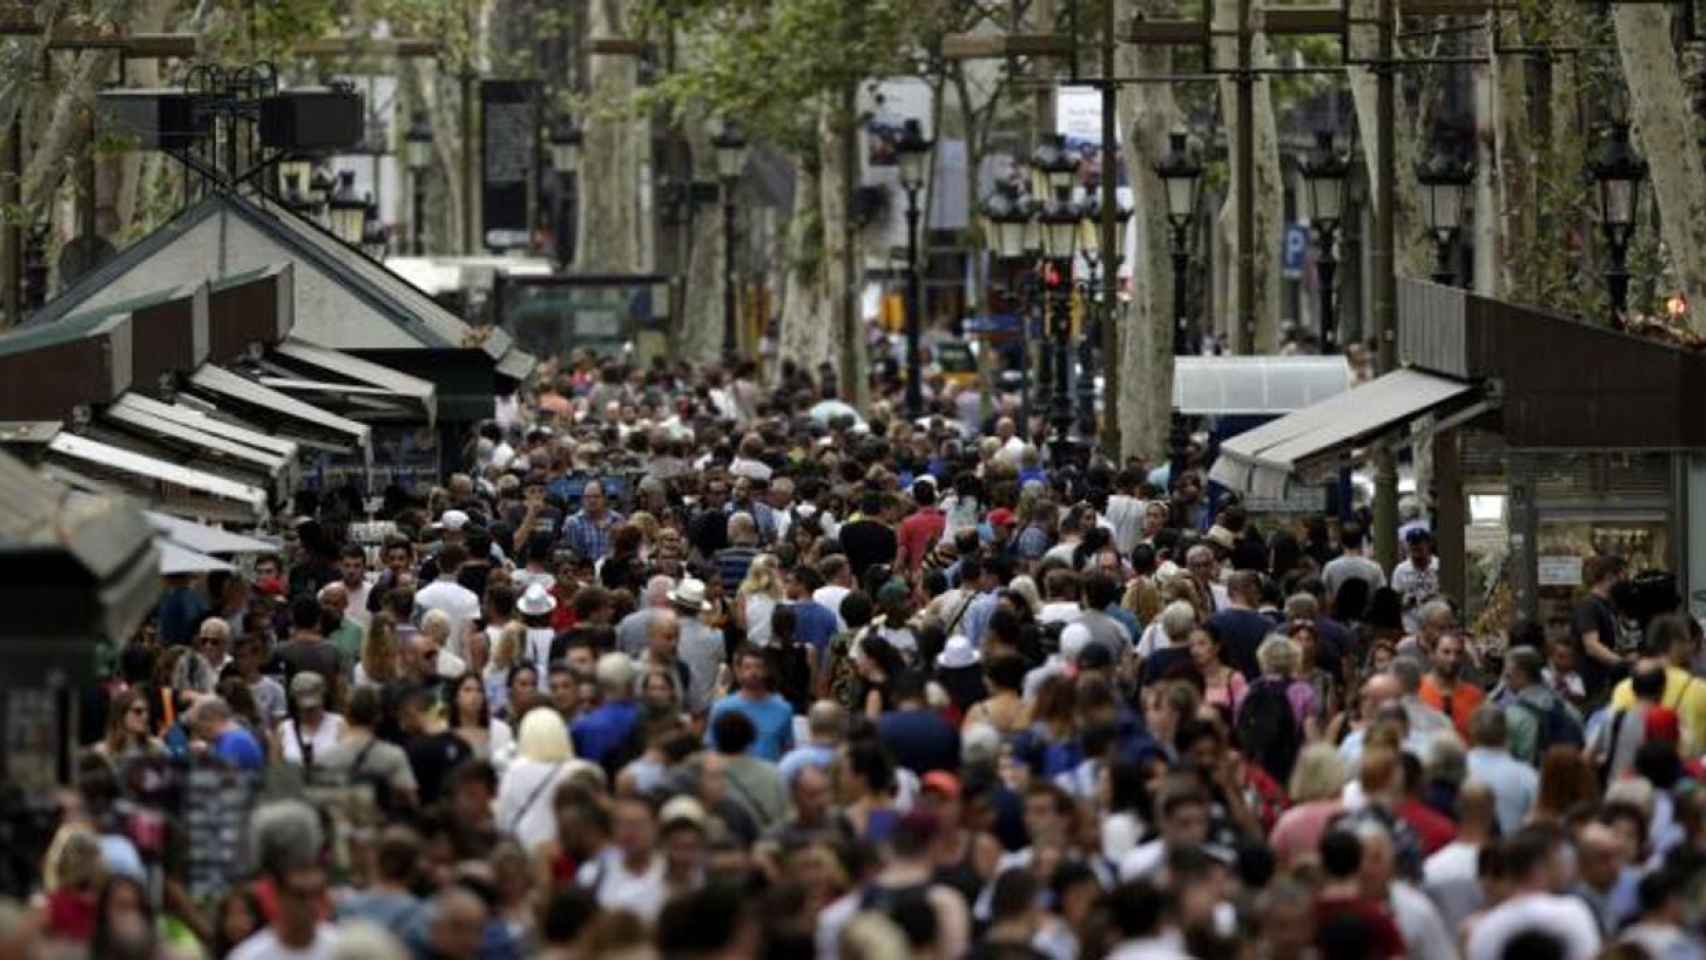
(1465, 697)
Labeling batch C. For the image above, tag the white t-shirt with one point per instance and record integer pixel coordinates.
(642, 894)
(265, 946)
(457, 602)
(1125, 519)
(324, 738)
(1568, 919)
(1415, 587)
(831, 595)
(759, 608)
(1060, 611)
(357, 610)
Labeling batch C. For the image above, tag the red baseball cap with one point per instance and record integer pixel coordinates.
(941, 781)
(270, 587)
(1001, 517)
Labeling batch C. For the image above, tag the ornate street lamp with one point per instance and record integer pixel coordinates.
(1618, 170)
(418, 149)
(730, 144)
(1181, 174)
(566, 163)
(1445, 181)
(1325, 173)
(1055, 167)
(1097, 311)
(348, 211)
(912, 154)
(1010, 228)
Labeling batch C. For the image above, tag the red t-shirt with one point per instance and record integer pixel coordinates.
(1384, 939)
(1433, 830)
(918, 532)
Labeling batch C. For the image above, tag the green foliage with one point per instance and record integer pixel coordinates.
(768, 62)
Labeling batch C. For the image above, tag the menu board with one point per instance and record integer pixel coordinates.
(509, 151)
(216, 804)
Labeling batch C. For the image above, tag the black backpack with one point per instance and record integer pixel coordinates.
(1267, 729)
(1553, 726)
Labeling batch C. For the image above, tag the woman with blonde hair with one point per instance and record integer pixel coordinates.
(505, 654)
(1316, 782)
(757, 599)
(544, 759)
(380, 661)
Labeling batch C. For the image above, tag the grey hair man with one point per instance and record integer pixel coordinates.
(631, 629)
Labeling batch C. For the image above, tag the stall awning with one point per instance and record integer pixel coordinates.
(96, 459)
(225, 384)
(202, 538)
(1307, 446)
(200, 447)
(1256, 386)
(176, 560)
(195, 419)
(326, 371)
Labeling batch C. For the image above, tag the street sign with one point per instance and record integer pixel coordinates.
(1296, 251)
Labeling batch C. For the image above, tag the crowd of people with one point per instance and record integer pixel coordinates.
(669, 668)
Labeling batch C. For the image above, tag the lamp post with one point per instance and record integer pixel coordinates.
(1618, 170)
(912, 154)
(1009, 228)
(566, 162)
(1445, 181)
(348, 211)
(1055, 168)
(1097, 308)
(1324, 176)
(1181, 173)
(320, 188)
(730, 144)
(418, 142)
(374, 238)
(35, 266)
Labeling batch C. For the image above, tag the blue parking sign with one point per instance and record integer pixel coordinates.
(1296, 251)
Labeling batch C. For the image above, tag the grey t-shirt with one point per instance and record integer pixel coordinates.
(1340, 569)
(385, 760)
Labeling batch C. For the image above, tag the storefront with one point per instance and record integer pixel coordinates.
(1552, 440)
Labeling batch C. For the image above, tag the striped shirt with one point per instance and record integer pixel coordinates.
(732, 565)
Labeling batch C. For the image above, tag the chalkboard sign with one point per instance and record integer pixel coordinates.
(216, 805)
(509, 151)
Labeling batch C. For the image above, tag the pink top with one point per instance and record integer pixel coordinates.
(1228, 695)
(1298, 832)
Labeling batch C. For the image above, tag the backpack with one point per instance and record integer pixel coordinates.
(1553, 726)
(1267, 729)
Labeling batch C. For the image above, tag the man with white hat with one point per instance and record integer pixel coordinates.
(535, 607)
(698, 645)
(1074, 637)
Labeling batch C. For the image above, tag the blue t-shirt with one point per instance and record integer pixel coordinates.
(240, 748)
(179, 610)
(772, 717)
(604, 730)
(815, 624)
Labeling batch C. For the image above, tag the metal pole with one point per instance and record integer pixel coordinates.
(1184, 339)
(11, 190)
(1247, 181)
(419, 216)
(914, 309)
(1617, 278)
(728, 268)
(1060, 406)
(1386, 277)
(1444, 273)
(470, 233)
(1085, 383)
(1110, 253)
(1027, 301)
(1326, 266)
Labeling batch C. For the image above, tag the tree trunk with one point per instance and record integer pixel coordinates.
(1516, 180)
(1414, 255)
(1486, 200)
(1269, 186)
(840, 257)
(1148, 113)
(1663, 120)
(609, 207)
(804, 336)
(700, 337)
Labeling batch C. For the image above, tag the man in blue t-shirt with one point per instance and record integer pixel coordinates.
(772, 717)
(814, 623)
(213, 724)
